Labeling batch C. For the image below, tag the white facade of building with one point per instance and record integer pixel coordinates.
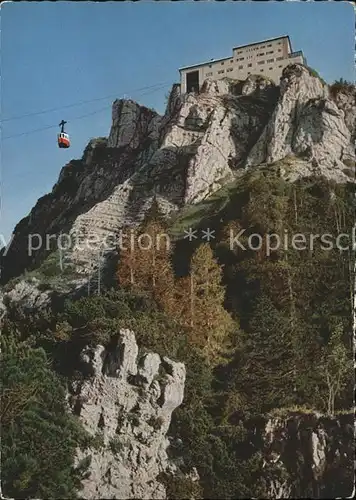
(267, 58)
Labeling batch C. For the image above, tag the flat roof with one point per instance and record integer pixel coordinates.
(205, 63)
(234, 48)
(264, 41)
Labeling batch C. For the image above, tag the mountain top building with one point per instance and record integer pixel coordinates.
(267, 58)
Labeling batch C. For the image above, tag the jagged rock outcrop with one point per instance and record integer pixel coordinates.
(345, 99)
(25, 297)
(306, 123)
(126, 402)
(2, 307)
(308, 455)
(203, 141)
(81, 185)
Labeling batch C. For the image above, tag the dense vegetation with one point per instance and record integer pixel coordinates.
(38, 438)
(259, 330)
(342, 85)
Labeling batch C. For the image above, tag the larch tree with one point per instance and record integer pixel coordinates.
(145, 263)
(211, 325)
(127, 267)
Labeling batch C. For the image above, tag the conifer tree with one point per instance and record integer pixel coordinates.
(211, 325)
(145, 264)
(268, 370)
(154, 214)
(336, 367)
(127, 267)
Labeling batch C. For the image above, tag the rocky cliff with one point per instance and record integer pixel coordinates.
(126, 403)
(201, 142)
(307, 454)
(125, 398)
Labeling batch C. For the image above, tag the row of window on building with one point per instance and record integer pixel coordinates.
(258, 55)
(249, 65)
(259, 47)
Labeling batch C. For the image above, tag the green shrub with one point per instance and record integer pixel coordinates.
(342, 85)
(156, 423)
(39, 438)
(179, 487)
(314, 73)
(133, 419)
(349, 163)
(116, 445)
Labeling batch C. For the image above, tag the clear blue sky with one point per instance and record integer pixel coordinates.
(55, 54)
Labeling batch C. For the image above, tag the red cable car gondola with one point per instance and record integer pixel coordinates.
(63, 137)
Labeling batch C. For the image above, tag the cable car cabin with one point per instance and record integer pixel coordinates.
(63, 140)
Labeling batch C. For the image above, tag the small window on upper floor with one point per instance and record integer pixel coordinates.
(249, 65)
(279, 50)
(269, 45)
(209, 74)
(221, 71)
(270, 60)
(270, 69)
(231, 60)
(249, 72)
(279, 58)
(229, 70)
(280, 66)
(240, 67)
(222, 63)
(260, 62)
(210, 66)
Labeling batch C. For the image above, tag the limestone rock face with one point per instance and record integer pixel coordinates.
(307, 123)
(202, 142)
(304, 452)
(346, 101)
(258, 85)
(2, 306)
(26, 297)
(201, 146)
(130, 123)
(322, 135)
(126, 402)
(215, 87)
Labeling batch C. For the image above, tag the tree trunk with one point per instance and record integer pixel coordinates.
(295, 207)
(292, 313)
(191, 300)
